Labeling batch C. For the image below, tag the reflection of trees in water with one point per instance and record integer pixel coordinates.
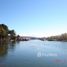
(12, 44)
(3, 48)
(17, 42)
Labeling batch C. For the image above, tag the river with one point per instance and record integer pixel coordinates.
(33, 53)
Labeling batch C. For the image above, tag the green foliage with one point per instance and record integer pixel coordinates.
(12, 34)
(4, 31)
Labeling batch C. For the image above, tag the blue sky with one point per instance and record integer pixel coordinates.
(35, 17)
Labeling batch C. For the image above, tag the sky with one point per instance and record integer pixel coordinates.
(40, 18)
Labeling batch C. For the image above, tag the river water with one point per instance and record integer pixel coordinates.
(33, 53)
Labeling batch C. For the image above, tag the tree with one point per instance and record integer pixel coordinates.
(3, 31)
(12, 34)
(18, 37)
(63, 36)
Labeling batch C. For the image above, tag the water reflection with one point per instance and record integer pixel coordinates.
(33, 54)
(3, 49)
(6, 46)
(12, 44)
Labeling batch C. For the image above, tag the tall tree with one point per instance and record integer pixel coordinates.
(3, 31)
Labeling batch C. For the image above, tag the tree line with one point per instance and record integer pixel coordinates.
(6, 34)
(62, 37)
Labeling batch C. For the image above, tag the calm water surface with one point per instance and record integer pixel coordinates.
(34, 53)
